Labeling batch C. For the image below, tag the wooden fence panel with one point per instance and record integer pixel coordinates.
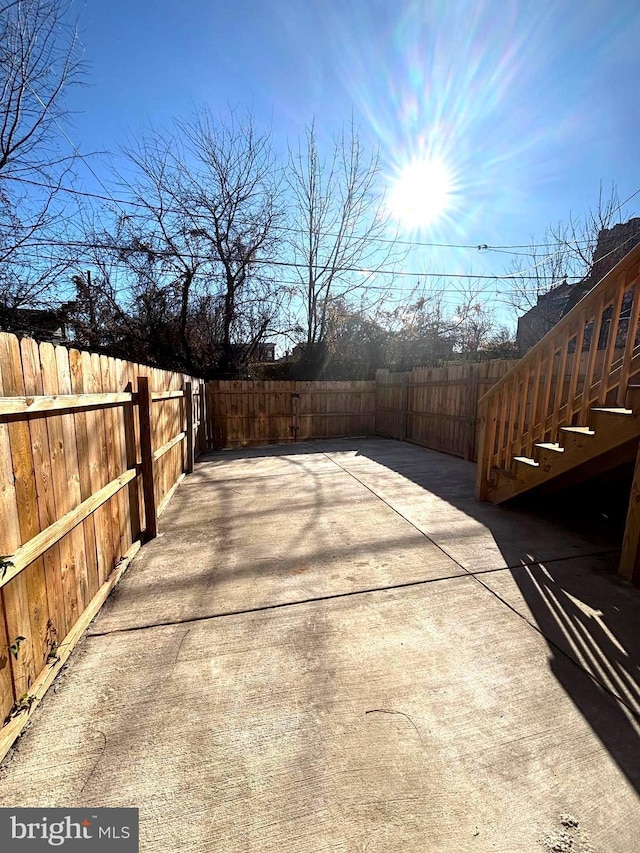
(16, 593)
(71, 505)
(32, 372)
(80, 537)
(109, 473)
(390, 405)
(436, 407)
(244, 413)
(98, 466)
(84, 454)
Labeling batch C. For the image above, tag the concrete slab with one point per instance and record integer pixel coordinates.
(435, 492)
(467, 712)
(304, 458)
(243, 533)
(585, 612)
(382, 722)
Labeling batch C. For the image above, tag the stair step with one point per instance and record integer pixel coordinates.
(578, 430)
(574, 436)
(526, 460)
(606, 437)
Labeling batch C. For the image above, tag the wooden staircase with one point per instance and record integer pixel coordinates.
(570, 408)
(609, 439)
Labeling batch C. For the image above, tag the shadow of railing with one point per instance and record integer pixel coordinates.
(588, 620)
(588, 616)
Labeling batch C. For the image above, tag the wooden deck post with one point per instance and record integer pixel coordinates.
(630, 558)
(188, 404)
(482, 486)
(146, 448)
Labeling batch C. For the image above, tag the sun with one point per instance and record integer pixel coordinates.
(421, 193)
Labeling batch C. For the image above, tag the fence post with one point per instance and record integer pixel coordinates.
(404, 404)
(472, 412)
(629, 567)
(188, 404)
(135, 516)
(202, 429)
(146, 449)
(487, 415)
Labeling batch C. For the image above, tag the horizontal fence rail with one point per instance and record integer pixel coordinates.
(28, 405)
(588, 359)
(72, 460)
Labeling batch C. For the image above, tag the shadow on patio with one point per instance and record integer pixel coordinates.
(586, 613)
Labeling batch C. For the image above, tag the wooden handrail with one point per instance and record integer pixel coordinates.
(585, 360)
(584, 304)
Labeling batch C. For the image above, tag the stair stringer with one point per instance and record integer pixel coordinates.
(608, 430)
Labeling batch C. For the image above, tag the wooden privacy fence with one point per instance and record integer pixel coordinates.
(91, 450)
(241, 413)
(433, 407)
(436, 407)
(588, 359)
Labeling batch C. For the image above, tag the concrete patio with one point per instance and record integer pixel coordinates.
(333, 647)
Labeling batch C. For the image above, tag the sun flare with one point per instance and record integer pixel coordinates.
(421, 193)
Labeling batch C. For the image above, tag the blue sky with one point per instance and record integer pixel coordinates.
(528, 105)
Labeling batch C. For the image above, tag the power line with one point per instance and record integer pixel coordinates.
(319, 268)
(626, 201)
(350, 286)
(74, 147)
(482, 247)
(520, 275)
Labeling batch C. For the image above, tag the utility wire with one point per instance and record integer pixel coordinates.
(319, 268)
(479, 247)
(482, 247)
(76, 150)
(384, 287)
(626, 201)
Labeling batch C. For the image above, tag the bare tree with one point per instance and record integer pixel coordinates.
(564, 256)
(338, 225)
(236, 198)
(198, 241)
(432, 324)
(39, 60)
(31, 257)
